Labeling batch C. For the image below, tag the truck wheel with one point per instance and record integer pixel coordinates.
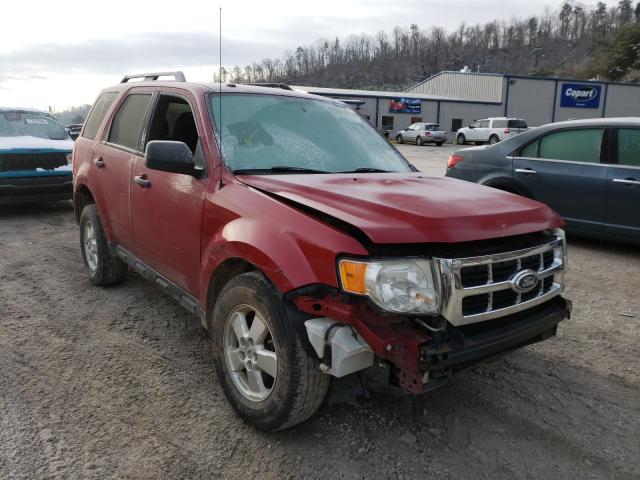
(460, 139)
(419, 141)
(103, 267)
(265, 372)
(493, 139)
(399, 139)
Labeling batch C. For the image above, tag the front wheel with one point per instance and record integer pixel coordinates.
(399, 139)
(267, 375)
(103, 267)
(461, 140)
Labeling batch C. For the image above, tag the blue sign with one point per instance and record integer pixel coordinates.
(580, 95)
(404, 105)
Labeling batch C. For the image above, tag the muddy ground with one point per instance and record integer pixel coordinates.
(119, 383)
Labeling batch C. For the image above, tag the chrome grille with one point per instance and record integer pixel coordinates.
(481, 288)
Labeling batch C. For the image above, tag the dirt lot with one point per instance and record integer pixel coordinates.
(119, 383)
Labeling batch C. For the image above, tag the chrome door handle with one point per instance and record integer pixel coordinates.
(626, 181)
(99, 162)
(140, 180)
(526, 170)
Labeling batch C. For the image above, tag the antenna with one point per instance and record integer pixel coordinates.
(220, 90)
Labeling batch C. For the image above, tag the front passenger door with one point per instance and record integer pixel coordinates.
(623, 185)
(166, 208)
(563, 170)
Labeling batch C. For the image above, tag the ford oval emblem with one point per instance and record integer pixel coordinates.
(524, 281)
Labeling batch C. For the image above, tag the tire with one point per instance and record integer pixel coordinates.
(244, 367)
(461, 139)
(399, 139)
(419, 141)
(439, 144)
(103, 267)
(493, 139)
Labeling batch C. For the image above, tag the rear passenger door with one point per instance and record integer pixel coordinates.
(563, 170)
(110, 174)
(166, 208)
(623, 184)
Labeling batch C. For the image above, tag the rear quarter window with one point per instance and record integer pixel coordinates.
(499, 124)
(98, 112)
(517, 124)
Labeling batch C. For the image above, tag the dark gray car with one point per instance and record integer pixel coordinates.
(586, 170)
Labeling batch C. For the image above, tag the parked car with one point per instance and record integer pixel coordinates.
(306, 244)
(35, 157)
(491, 130)
(422, 133)
(586, 170)
(74, 130)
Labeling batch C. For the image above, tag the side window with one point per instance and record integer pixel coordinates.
(127, 124)
(629, 146)
(484, 124)
(573, 145)
(531, 150)
(173, 120)
(475, 125)
(499, 124)
(98, 112)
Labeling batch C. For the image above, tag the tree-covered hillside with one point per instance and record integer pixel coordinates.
(574, 41)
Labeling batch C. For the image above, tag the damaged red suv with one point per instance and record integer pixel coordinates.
(307, 245)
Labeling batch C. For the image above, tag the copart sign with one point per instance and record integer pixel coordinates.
(577, 95)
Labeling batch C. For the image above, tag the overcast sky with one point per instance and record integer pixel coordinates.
(60, 54)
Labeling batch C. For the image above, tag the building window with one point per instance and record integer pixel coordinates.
(456, 124)
(416, 119)
(387, 122)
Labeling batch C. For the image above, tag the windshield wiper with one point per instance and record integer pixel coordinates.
(276, 169)
(366, 170)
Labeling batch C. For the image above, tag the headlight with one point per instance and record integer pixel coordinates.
(400, 286)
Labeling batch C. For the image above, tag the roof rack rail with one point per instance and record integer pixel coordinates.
(178, 76)
(283, 86)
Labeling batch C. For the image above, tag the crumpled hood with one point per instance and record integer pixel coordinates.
(411, 207)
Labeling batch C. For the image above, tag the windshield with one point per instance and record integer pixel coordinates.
(17, 123)
(260, 132)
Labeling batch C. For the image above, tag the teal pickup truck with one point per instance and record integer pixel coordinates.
(35, 157)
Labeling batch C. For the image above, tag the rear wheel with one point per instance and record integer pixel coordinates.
(399, 139)
(267, 376)
(460, 139)
(493, 139)
(103, 267)
(419, 141)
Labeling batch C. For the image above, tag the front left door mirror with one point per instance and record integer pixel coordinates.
(170, 156)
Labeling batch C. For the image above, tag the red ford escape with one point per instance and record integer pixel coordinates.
(306, 244)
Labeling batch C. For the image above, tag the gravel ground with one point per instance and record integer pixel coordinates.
(119, 383)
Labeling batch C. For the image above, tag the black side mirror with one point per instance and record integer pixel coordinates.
(170, 156)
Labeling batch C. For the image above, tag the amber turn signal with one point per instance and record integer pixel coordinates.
(352, 276)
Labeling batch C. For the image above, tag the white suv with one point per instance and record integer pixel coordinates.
(491, 130)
